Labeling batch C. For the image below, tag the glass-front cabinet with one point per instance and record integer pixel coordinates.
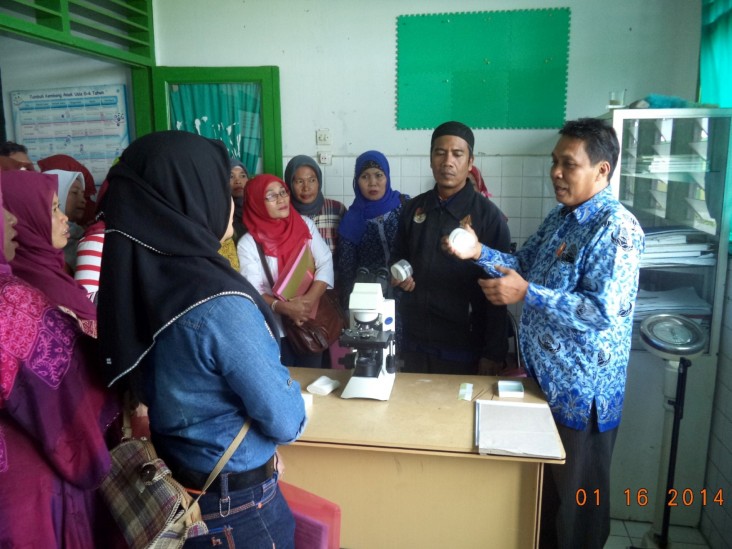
(674, 176)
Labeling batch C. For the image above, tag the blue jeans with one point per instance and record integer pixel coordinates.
(252, 518)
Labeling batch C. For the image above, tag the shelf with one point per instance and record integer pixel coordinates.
(658, 212)
(672, 174)
(700, 147)
(681, 177)
(660, 198)
(700, 207)
(662, 149)
(671, 263)
(677, 265)
(705, 226)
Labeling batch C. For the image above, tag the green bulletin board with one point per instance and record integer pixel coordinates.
(493, 69)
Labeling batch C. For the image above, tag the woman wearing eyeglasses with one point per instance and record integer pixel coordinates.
(280, 232)
(305, 180)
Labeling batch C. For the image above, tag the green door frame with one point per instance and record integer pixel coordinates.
(268, 79)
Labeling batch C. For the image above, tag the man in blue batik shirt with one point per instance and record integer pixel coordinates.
(577, 277)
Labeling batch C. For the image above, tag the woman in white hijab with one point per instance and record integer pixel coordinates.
(72, 202)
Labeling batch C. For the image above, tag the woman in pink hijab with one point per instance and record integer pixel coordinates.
(53, 416)
(42, 234)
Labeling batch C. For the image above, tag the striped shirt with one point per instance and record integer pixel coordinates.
(89, 263)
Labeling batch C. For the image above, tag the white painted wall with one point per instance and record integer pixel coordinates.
(28, 66)
(337, 60)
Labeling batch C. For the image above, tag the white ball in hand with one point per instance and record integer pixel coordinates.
(462, 241)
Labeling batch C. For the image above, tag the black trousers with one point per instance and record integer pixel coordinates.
(424, 363)
(575, 505)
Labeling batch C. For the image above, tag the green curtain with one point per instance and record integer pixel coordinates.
(716, 53)
(229, 112)
(3, 135)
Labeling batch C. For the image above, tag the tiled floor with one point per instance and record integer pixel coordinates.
(624, 534)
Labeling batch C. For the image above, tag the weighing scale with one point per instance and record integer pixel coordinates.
(676, 339)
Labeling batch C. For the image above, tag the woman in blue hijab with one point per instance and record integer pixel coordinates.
(369, 227)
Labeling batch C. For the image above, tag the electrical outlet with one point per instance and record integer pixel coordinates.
(324, 158)
(322, 137)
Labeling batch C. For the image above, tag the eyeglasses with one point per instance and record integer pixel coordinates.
(303, 182)
(272, 197)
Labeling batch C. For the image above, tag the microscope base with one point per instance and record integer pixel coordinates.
(378, 388)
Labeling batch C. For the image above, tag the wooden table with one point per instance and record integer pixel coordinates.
(406, 472)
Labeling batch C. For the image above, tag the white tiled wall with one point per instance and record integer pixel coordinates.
(716, 522)
(520, 185)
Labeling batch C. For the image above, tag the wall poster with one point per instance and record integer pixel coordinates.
(88, 123)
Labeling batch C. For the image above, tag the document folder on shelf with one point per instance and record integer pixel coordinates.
(516, 429)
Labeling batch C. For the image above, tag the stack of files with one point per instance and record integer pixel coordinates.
(673, 246)
(683, 301)
(516, 429)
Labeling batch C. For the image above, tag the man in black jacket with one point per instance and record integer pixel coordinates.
(448, 326)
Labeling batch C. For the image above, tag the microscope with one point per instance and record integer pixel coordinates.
(370, 334)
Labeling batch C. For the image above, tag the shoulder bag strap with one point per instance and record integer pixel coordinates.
(265, 265)
(227, 455)
(223, 460)
(126, 416)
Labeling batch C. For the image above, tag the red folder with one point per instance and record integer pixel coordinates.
(317, 520)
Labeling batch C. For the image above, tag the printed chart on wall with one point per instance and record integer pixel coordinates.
(88, 123)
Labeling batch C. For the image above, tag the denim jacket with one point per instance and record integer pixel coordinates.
(207, 372)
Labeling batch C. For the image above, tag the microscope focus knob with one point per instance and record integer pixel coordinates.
(391, 364)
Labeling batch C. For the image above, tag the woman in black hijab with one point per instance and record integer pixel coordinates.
(305, 180)
(195, 334)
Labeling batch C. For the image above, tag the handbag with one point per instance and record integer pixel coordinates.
(150, 507)
(316, 334)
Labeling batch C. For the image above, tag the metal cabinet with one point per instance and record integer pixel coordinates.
(674, 176)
